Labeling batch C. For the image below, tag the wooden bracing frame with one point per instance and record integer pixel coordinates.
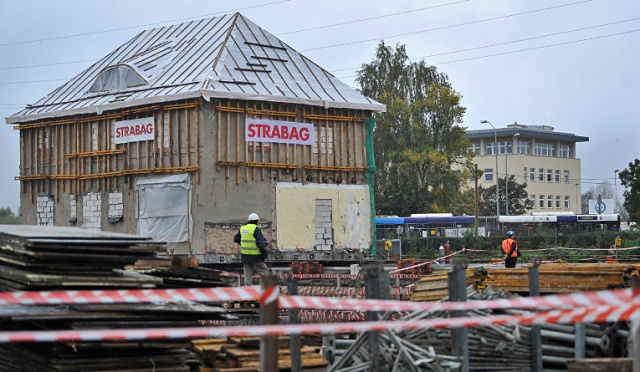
(338, 155)
(78, 154)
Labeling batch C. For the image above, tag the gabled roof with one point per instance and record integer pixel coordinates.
(227, 57)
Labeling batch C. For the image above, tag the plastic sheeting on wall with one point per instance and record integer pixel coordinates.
(164, 207)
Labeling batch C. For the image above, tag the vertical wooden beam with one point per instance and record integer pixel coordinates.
(76, 170)
(23, 184)
(111, 183)
(219, 139)
(227, 142)
(262, 157)
(56, 181)
(179, 140)
(304, 150)
(365, 161)
(341, 149)
(31, 183)
(238, 124)
(170, 138)
(326, 141)
(162, 124)
(334, 143)
(81, 149)
(100, 165)
(246, 147)
(197, 140)
(157, 145)
(148, 148)
(41, 158)
(187, 142)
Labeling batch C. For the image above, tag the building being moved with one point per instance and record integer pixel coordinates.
(183, 131)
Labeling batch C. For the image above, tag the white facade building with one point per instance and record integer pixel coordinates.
(546, 160)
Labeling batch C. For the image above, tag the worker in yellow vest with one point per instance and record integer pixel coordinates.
(253, 247)
(510, 250)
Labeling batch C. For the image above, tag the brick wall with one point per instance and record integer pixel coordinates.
(73, 208)
(324, 227)
(219, 237)
(116, 206)
(44, 210)
(92, 210)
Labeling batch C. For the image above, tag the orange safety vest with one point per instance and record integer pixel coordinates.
(506, 247)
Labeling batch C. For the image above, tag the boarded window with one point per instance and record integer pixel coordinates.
(164, 211)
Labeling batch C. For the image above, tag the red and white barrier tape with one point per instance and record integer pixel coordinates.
(579, 315)
(611, 297)
(578, 249)
(270, 295)
(131, 296)
(428, 262)
(565, 301)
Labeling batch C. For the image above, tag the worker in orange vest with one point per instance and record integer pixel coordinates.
(510, 250)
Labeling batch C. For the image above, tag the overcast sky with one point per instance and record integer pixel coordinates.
(571, 64)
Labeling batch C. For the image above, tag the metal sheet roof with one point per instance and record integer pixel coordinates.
(524, 132)
(226, 57)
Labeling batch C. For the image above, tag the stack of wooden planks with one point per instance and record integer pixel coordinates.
(564, 278)
(42, 258)
(243, 354)
(435, 287)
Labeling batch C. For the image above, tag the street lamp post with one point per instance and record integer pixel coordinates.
(506, 171)
(495, 151)
(578, 207)
(615, 186)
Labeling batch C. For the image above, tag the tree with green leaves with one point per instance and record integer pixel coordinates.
(584, 200)
(8, 218)
(421, 153)
(630, 179)
(519, 201)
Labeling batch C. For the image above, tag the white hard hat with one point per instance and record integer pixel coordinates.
(253, 217)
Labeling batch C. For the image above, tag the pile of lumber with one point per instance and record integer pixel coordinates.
(243, 354)
(39, 258)
(435, 287)
(564, 278)
(181, 273)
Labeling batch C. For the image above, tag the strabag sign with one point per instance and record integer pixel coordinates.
(135, 130)
(257, 130)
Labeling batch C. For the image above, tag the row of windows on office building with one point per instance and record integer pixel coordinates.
(550, 176)
(523, 148)
(550, 202)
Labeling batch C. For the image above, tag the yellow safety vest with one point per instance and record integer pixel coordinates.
(248, 243)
